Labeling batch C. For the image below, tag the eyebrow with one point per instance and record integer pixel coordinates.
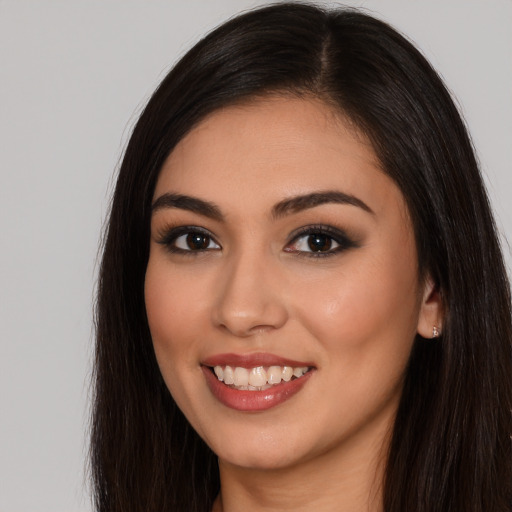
(192, 204)
(304, 202)
(281, 209)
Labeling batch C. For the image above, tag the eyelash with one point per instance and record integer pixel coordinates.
(335, 235)
(169, 237)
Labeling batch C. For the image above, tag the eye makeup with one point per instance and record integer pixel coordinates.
(187, 240)
(319, 241)
(311, 241)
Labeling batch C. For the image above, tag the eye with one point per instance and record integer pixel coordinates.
(318, 241)
(187, 239)
(195, 242)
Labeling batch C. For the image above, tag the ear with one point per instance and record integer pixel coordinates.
(430, 319)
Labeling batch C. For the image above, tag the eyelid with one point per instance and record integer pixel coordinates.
(169, 234)
(339, 236)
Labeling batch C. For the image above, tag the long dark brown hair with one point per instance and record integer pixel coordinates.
(451, 447)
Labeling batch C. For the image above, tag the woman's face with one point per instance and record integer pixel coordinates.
(276, 241)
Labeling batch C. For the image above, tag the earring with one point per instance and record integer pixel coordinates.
(435, 332)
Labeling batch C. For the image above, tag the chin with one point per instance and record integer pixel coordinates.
(259, 449)
(259, 459)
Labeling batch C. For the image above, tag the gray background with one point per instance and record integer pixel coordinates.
(73, 76)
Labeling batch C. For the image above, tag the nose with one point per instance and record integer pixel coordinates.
(250, 298)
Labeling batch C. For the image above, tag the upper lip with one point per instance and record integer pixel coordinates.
(252, 360)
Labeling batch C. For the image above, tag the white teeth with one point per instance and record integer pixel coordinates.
(274, 374)
(241, 376)
(257, 378)
(219, 372)
(228, 375)
(299, 372)
(287, 373)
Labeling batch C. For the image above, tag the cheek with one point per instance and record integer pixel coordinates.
(366, 307)
(175, 313)
(172, 308)
(363, 319)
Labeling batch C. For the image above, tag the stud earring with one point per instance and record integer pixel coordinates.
(435, 332)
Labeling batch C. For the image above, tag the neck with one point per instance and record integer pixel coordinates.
(345, 479)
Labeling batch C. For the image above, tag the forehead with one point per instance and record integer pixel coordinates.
(271, 148)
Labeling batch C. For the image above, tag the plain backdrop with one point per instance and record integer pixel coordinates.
(73, 77)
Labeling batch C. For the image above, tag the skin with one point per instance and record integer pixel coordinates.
(353, 314)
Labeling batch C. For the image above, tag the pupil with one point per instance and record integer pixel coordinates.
(319, 242)
(197, 241)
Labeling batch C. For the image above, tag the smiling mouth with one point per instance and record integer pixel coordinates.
(258, 378)
(255, 382)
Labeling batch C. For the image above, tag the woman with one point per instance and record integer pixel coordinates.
(302, 299)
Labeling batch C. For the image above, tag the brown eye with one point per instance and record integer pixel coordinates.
(318, 242)
(190, 241)
(197, 241)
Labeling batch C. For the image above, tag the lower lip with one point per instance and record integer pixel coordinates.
(253, 400)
